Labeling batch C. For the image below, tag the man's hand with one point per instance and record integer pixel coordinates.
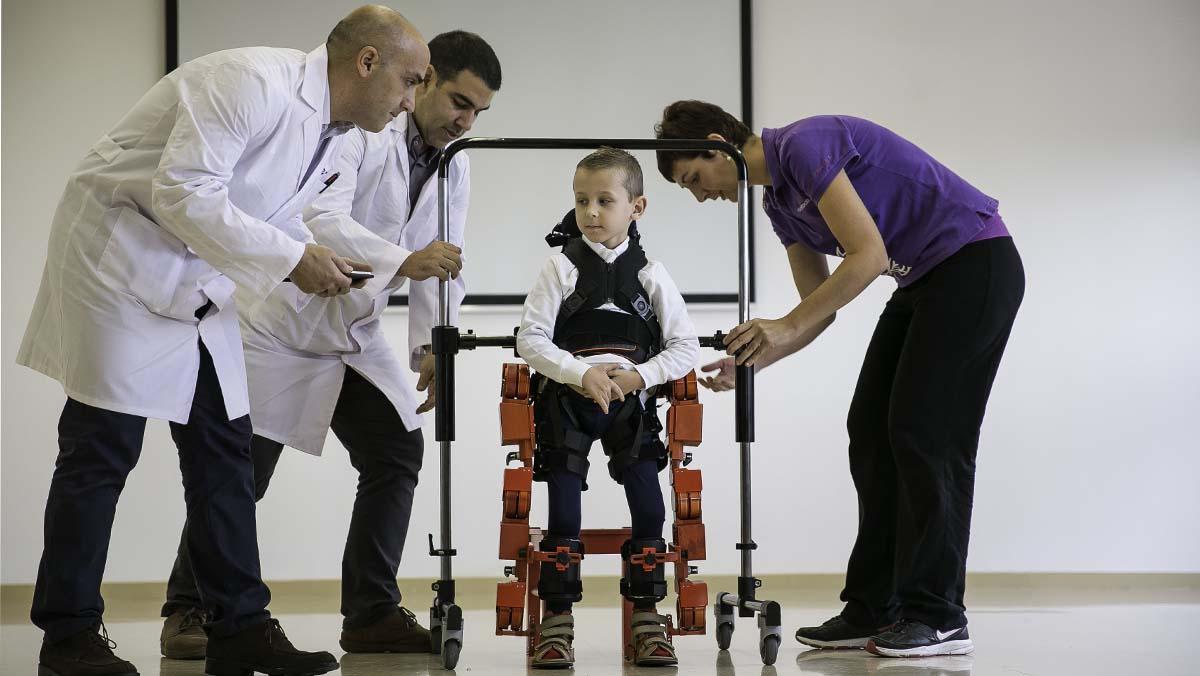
(320, 271)
(600, 388)
(725, 378)
(425, 382)
(629, 380)
(359, 266)
(440, 259)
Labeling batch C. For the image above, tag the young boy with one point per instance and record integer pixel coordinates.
(602, 326)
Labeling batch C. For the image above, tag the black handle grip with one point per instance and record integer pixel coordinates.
(744, 404)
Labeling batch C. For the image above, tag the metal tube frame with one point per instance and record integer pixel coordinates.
(446, 343)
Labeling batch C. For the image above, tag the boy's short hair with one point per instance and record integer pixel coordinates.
(455, 51)
(616, 159)
(695, 120)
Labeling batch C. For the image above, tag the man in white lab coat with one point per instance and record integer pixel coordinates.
(330, 365)
(195, 194)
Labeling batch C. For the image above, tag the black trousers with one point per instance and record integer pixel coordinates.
(640, 479)
(97, 450)
(388, 460)
(914, 431)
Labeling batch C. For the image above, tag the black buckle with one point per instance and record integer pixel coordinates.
(642, 307)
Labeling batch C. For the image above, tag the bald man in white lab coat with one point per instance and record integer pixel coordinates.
(330, 366)
(193, 198)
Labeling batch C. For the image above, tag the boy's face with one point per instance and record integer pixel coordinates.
(603, 208)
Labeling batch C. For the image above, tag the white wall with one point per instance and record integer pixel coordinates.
(504, 216)
(1080, 117)
(1083, 118)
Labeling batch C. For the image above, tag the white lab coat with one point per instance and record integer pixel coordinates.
(195, 190)
(297, 360)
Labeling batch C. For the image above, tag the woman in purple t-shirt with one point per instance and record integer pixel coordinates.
(846, 187)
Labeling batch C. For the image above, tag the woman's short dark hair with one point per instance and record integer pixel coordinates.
(695, 120)
(455, 51)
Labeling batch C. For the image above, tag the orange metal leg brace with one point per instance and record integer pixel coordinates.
(517, 599)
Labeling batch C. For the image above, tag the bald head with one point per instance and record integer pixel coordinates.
(376, 60)
(371, 25)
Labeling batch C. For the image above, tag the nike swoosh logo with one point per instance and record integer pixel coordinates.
(943, 635)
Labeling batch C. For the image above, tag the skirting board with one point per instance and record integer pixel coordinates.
(139, 601)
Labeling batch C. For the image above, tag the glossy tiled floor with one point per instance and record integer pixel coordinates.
(1091, 640)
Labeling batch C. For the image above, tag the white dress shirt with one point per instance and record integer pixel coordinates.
(535, 339)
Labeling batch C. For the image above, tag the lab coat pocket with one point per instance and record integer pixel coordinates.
(290, 210)
(141, 258)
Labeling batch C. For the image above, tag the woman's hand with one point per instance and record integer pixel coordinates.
(751, 342)
(725, 379)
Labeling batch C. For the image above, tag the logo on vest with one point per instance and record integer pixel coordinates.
(642, 306)
(894, 268)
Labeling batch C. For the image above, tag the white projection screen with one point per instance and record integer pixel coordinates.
(571, 68)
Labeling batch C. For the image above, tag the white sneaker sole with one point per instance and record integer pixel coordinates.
(849, 643)
(962, 647)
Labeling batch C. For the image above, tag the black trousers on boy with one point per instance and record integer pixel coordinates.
(640, 480)
(914, 431)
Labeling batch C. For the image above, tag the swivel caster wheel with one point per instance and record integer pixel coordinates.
(451, 650)
(768, 649)
(724, 635)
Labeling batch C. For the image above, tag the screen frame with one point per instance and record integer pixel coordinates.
(745, 34)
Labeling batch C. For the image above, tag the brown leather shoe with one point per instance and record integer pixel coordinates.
(183, 636)
(397, 632)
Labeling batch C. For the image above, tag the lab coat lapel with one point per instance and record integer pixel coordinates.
(314, 90)
(398, 153)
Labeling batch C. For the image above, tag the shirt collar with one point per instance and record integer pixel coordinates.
(417, 148)
(332, 128)
(609, 255)
(315, 79)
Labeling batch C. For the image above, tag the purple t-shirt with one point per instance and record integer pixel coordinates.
(924, 211)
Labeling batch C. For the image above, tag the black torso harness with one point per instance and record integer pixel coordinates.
(583, 329)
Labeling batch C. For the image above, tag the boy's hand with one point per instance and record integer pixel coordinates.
(600, 388)
(628, 380)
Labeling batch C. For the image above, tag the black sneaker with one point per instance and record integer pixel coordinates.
(909, 638)
(87, 653)
(263, 648)
(837, 633)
